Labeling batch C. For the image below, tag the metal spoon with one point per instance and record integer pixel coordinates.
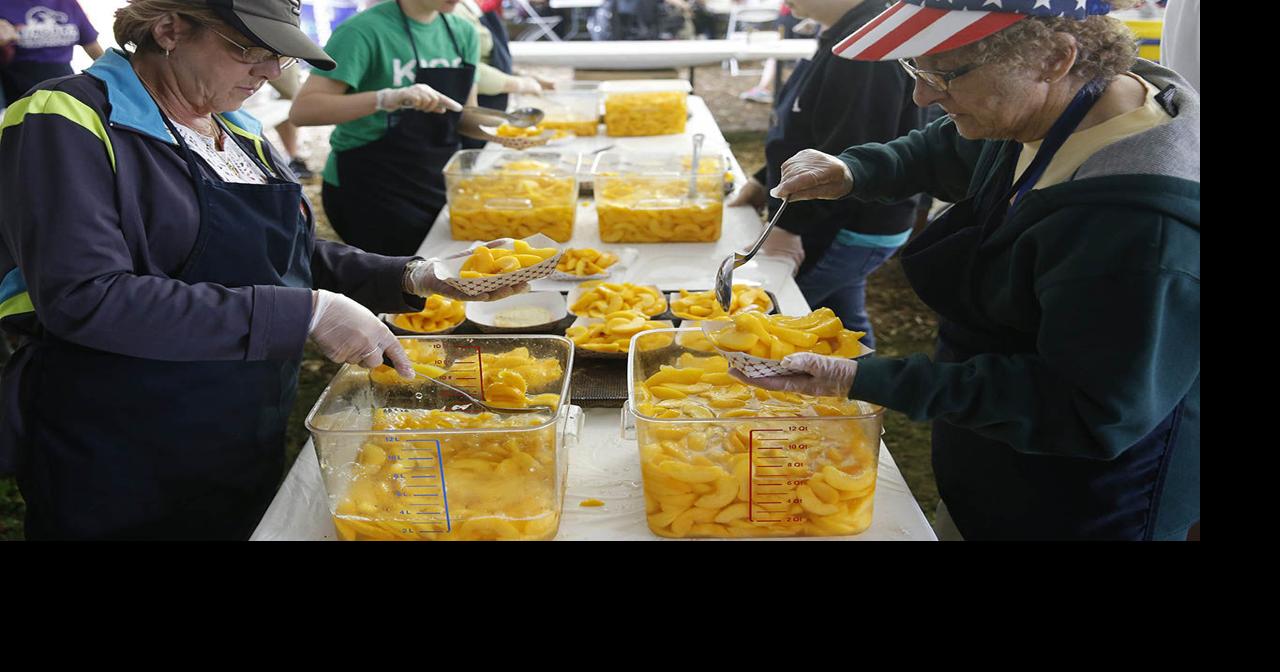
(693, 170)
(521, 118)
(472, 400)
(724, 276)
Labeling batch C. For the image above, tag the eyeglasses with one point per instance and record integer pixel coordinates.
(936, 79)
(257, 55)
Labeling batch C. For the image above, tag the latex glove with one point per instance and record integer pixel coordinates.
(518, 84)
(546, 84)
(347, 333)
(784, 246)
(752, 193)
(417, 97)
(824, 376)
(811, 174)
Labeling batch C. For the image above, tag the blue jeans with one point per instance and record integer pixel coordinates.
(839, 282)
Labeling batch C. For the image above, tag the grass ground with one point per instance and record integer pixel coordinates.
(903, 324)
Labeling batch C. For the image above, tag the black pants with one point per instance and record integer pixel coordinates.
(19, 78)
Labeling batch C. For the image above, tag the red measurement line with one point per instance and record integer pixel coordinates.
(480, 365)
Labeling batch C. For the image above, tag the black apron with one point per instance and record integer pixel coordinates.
(993, 491)
(119, 447)
(499, 58)
(815, 240)
(399, 178)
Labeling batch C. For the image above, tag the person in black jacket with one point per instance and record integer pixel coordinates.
(829, 104)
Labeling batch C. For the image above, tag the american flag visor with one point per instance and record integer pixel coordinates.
(912, 28)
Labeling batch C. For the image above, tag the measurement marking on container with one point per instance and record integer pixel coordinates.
(432, 515)
(776, 458)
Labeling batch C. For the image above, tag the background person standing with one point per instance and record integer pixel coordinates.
(47, 30)
(828, 104)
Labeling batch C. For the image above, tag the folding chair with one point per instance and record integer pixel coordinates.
(539, 25)
(752, 14)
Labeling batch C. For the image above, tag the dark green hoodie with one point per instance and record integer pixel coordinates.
(1102, 274)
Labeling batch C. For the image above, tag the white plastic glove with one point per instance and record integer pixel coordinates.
(418, 97)
(519, 84)
(752, 193)
(347, 333)
(811, 174)
(784, 246)
(825, 376)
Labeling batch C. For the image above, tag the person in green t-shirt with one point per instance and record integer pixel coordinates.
(404, 70)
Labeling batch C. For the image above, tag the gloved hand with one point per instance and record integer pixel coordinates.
(811, 174)
(518, 84)
(346, 332)
(825, 376)
(784, 246)
(752, 193)
(416, 96)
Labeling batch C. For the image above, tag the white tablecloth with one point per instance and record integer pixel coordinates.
(652, 54)
(602, 465)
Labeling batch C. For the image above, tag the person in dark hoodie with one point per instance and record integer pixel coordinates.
(1065, 390)
(827, 104)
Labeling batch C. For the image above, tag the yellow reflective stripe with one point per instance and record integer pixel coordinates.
(257, 141)
(64, 105)
(16, 304)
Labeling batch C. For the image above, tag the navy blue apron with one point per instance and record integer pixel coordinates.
(993, 491)
(499, 58)
(119, 447)
(399, 178)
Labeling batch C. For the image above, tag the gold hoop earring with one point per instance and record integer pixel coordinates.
(166, 55)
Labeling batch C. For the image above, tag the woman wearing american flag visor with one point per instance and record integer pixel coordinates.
(1065, 389)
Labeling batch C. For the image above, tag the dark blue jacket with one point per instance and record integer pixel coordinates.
(98, 212)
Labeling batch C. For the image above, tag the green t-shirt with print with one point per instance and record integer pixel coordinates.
(373, 52)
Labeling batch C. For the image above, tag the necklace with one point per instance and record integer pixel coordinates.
(213, 130)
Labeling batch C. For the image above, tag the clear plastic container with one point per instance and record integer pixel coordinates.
(730, 469)
(394, 471)
(508, 194)
(575, 111)
(643, 197)
(645, 107)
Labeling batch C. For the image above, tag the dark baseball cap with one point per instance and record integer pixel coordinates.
(272, 24)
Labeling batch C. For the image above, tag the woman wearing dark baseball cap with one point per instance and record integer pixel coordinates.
(160, 266)
(272, 24)
(1065, 391)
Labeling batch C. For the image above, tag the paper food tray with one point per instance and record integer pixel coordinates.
(576, 293)
(585, 353)
(473, 286)
(756, 367)
(626, 257)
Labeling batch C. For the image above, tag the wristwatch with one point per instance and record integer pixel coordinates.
(406, 280)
